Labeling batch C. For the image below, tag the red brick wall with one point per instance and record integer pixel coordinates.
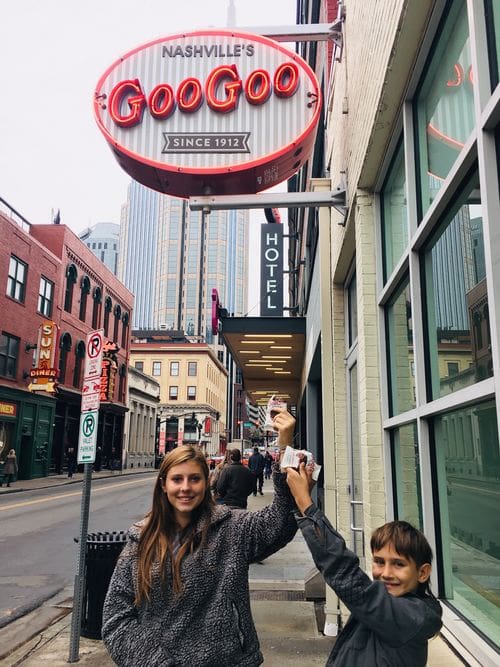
(48, 250)
(22, 319)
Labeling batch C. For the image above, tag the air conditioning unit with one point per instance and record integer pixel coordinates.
(163, 326)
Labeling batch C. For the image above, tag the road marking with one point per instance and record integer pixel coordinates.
(68, 495)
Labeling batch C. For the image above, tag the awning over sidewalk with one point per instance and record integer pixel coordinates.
(270, 353)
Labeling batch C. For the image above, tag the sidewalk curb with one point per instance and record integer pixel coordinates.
(55, 483)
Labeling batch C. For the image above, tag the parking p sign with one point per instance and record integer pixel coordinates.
(87, 437)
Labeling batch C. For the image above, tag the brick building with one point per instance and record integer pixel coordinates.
(51, 275)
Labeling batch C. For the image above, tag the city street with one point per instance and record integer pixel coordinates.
(38, 531)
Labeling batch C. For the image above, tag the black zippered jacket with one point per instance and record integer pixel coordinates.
(383, 630)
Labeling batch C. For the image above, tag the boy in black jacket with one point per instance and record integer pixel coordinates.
(393, 616)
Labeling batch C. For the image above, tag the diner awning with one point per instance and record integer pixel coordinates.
(270, 354)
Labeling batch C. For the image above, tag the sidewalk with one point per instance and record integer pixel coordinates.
(286, 623)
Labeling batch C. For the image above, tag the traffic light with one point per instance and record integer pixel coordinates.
(193, 418)
(217, 416)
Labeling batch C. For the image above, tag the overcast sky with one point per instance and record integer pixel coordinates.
(52, 53)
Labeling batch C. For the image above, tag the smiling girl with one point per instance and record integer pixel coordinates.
(179, 594)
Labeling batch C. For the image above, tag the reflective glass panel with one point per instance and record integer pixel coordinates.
(400, 351)
(394, 220)
(444, 104)
(407, 474)
(468, 471)
(492, 16)
(458, 328)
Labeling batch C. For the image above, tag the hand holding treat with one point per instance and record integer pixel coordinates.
(284, 424)
(300, 484)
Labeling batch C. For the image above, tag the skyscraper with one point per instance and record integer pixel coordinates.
(171, 258)
(102, 239)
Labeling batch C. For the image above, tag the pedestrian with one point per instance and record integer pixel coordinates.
(10, 467)
(215, 474)
(256, 466)
(179, 593)
(71, 457)
(235, 483)
(393, 616)
(268, 464)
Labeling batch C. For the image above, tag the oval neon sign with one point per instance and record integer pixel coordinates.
(209, 112)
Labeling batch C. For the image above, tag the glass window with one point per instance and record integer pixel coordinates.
(192, 368)
(174, 368)
(16, 281)
(394, 213)
(444, 103)
(9, 353)
(458, 328)
(156, 368)
(71, 276)
(85, 291)
(352, 311)
(65, 346)
(191, 393)
(79, 357)
(96, 308)
(492, 15)
(173, 393)
(45, 296)
(139, 365)
(408, 499)
(400, 351)
(468, 474)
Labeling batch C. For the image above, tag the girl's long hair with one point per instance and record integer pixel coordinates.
(157, 537)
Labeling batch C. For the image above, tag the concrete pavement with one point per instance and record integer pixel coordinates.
(289, 626)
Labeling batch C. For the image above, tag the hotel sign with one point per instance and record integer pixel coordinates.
(209, 112)
(271, 270)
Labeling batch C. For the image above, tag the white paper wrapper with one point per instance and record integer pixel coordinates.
(273, 403)
(293, 457)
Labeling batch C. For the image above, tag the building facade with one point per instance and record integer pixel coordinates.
(184, 255)
(140, 434)
(51, 276)
(103, 239)
(401, 380)
(29, 273)
(193, 389)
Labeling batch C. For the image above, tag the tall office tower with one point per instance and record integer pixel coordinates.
(138, 251)
(103, 240)
(172, 258)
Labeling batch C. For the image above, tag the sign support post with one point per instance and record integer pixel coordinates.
(86, 454)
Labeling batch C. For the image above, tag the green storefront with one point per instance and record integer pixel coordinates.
(26, 425)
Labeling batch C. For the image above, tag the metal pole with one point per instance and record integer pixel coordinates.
(76, 620)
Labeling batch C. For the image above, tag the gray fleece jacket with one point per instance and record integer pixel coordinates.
(383, 630)
(210, 623)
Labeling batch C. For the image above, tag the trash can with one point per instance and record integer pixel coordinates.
(101, 556)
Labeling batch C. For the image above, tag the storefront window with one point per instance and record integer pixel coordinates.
(408, 499)
(468, 472)
(458, 327)
(400, 351)
(394, 218)
(444, 104)
(492, 16)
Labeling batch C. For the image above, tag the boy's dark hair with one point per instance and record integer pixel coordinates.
(408, 542)
(235, 455)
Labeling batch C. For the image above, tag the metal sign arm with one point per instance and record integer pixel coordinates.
(333, 198)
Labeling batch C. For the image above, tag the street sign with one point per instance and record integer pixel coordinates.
(247, 424)
(87, 436)
(93, 354)
(91, 394)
